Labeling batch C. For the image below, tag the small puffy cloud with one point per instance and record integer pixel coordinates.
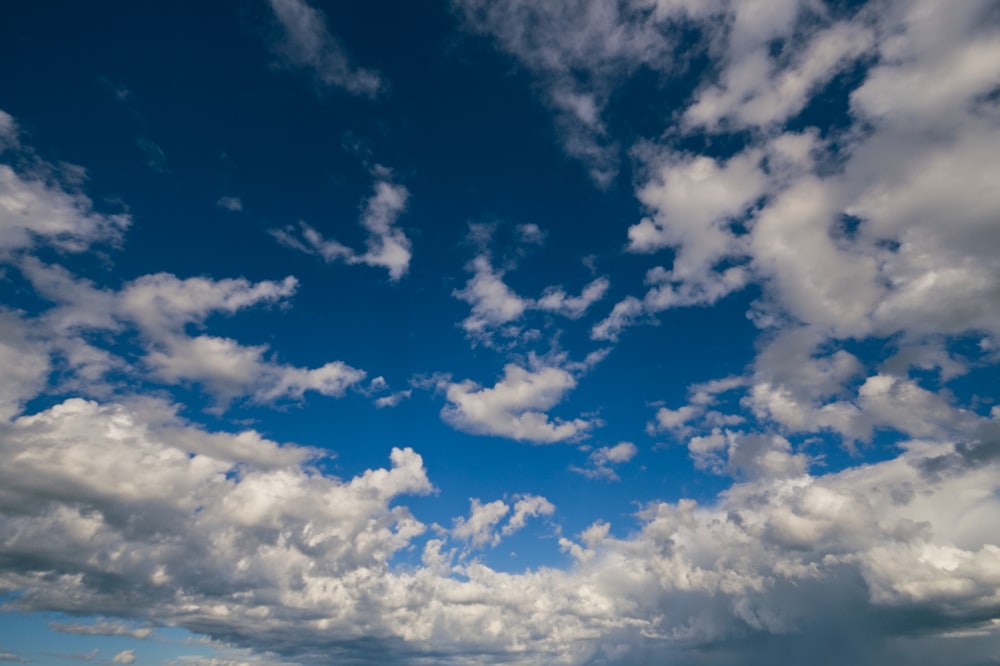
(497, 308)
(307, 43)
(493, 302)
(387, 245)
(14, 657)
(393, 399)
(124, 657)
(554, 299)
(482, 526)
(515, 407)
(230, 203)
(478, 528)
(527, 506)
(601, 462)
(531, 234)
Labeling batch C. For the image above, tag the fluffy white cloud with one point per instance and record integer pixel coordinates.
(41, 203)
(307, 43)
(117, 506)
(496, 308)
(161, 306)
(601, 462)
(387, 245)
(515, 407)
(229, 370)
(478, 528)
(124, 657)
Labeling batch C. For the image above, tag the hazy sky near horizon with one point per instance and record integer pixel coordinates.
(500, 332)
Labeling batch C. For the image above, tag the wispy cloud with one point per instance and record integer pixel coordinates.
(306, 43)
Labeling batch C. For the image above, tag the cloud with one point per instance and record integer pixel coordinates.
(212, 542)
(306, 43)
(102, 628)
(232, 204)
(42, 204)
(601, 461)
(496, 308)
(577, 50)
(515, 407)
(478, 528)
(388, 246)
(393, 399)
(11, 656)
(161, 307)
(124, 657)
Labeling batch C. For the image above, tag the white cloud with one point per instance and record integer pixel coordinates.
(496, 308)
(161, 306)
(515, 407)
(25, 364)
(527, 506)
(479, 528)
(229, 370)
(43, 204)
(600, 40)
(230, 203)
(756, 90)
(554, 299)
(124, 657)
(601, 462)
(107, 506)
(307, 43)
(102, 628)
(393, 399)
(493, 302)
(387, 245)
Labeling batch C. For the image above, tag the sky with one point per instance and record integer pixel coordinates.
(500, 332)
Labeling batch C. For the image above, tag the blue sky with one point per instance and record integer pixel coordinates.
(563, 332)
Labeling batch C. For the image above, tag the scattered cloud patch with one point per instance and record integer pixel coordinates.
(515, 406)
(306, 43)
(387, 245)
(230, 203)
(601, 462)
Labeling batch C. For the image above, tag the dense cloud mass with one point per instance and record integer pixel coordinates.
(868, 245)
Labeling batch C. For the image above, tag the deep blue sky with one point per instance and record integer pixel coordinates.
(668, 318)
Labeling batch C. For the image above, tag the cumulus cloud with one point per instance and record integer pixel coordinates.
(161, 307)
(601, 462)
(115, 514)
(42, 204)
(124, 657)
(515, 406)
(387, 245)
(306, 43)
(497, 308)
